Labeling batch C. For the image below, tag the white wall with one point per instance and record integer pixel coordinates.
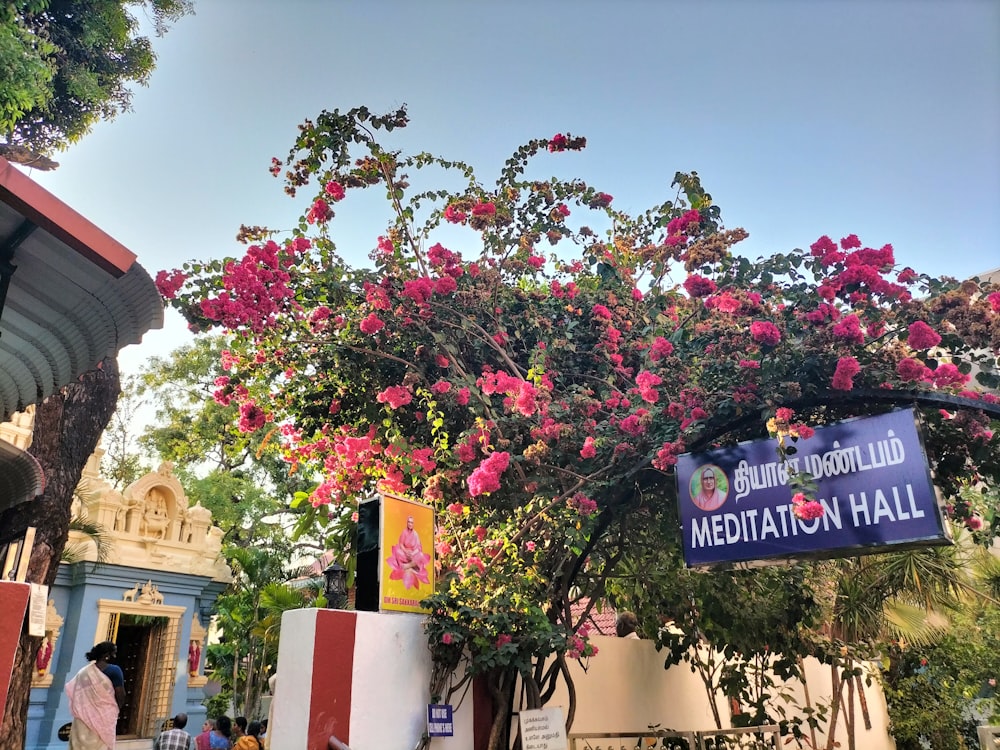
(623, 689)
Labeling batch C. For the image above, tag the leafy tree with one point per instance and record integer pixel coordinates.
(67, 64)
(227, 470)
(123, 461)
(249, 617)
(68, 425)
(538, 399)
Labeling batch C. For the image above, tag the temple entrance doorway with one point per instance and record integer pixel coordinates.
(147, 636)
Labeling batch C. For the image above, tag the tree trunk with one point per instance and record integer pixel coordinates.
(68, 426)
(838, 688)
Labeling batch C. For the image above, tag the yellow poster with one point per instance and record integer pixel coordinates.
(407, 574)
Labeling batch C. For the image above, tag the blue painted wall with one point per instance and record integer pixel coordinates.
(77, 589)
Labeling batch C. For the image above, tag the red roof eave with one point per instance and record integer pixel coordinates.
(49, 213)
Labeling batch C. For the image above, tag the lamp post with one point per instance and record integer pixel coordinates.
(336, 586)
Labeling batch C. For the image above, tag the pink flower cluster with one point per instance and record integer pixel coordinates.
(994, 300)
(647, 382)
(335, 190)
(582, 504)
(849, 329)
(319, 212)
(765, 332)
(660, 348)
(252, 417)
(862, 271)
(486, 477)
(677, 228)
(806, 509)
(454, 215)
(371, 324)
(256, 288)
(589, 449)
(521, 395)
(396, 396)
(843, 376)
(168, 283)
(666, 456)
(922, 336)
(698, 286)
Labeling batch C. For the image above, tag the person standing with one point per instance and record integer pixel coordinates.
(203, 741)
(250, 740)
(221, 737)
(175, 738)
(96, 695)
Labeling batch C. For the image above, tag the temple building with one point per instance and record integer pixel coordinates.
(153, 595)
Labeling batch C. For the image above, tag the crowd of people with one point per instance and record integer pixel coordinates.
(97, 694)
(224, 733)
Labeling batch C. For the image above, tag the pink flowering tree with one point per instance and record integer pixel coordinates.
(530, 361)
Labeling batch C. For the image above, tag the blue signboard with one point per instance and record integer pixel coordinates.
(440, 722)
(873, 483)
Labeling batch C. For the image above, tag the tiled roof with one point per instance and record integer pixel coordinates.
(603, 621)
(75, 295)
(70, 295)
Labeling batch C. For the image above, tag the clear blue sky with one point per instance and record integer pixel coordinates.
(803, 118)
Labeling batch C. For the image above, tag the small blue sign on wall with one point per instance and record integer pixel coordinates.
(439, 720)
(873, 483)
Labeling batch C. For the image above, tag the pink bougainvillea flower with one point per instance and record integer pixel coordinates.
(849, 329)
(320, 212)
(454, 215)
(252, 417)
(850, 242)
(583, 504)
(446, 638)
(588, 450)
(502, 640)
(804, 431)
(808, 510)
(441, 386)
(660, 348)
(558, 142)
(948, 374)
(765, 332)
(994, 300)
(462, 397)
(486, 477)
(601, 312)
(922, 336)
(168, 283)
(698, 286)
(335, 190)
(372, 324)
(912, 369)
(487, 208)
(843, 376)
(396, 396)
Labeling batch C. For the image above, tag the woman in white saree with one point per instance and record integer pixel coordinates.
(96, 694)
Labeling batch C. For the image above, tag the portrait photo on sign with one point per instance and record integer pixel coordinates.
(408, 563)
(709, 487)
